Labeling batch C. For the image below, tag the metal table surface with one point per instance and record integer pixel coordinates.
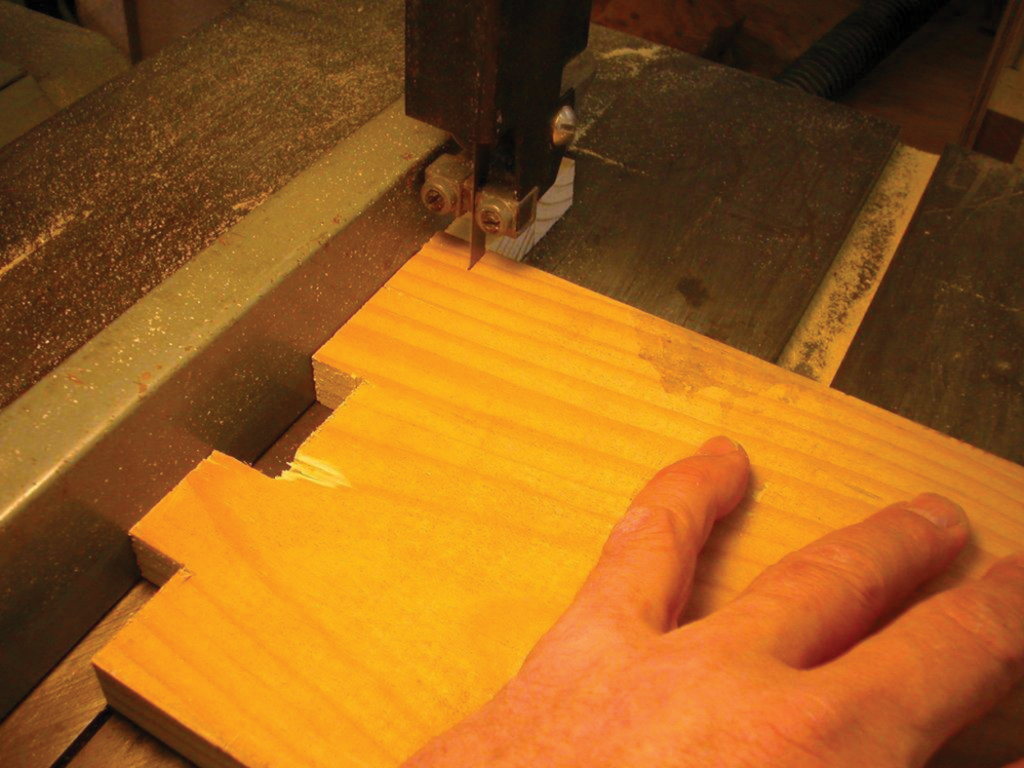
(729, 230)
(127, 214)
(950, 314)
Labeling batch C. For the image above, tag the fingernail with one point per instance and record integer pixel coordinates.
(718, 446)
(938, 510)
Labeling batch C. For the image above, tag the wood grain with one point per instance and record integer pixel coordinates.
(121, 744)
(59, 709)
(117, 742)
(441, 519)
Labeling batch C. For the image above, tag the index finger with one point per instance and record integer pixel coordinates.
(646, 568)
(944, 663)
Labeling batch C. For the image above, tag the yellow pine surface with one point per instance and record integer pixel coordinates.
(490, 427)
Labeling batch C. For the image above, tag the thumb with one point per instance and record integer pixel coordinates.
(644, 575)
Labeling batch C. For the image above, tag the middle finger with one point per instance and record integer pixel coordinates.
(817, 602)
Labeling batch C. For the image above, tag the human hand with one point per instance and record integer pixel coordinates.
(780, 677)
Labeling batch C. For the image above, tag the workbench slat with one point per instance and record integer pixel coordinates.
(59, 709)
(121, 744)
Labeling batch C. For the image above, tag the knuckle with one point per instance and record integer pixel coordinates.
(991, 623)
(687, 484)
(822, 711)
(695, 490)
(690, 472)
(647, 526)
(834, 566)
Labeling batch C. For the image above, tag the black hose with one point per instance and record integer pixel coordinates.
(856, 45)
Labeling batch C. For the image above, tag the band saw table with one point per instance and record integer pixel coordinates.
(176, 245)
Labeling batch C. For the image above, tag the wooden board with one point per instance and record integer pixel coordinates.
(60, 709)
(757, 36)
(1000, 137)
(68, 710)
(120, 744)
(943, 342)
(685, 26)
(441, 519)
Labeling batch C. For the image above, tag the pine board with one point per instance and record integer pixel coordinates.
(441, 519)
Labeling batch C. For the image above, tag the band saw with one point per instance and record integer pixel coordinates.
(177, 245)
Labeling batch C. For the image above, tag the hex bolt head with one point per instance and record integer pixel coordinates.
(490, 220)
(563, 127)
(437, 197)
